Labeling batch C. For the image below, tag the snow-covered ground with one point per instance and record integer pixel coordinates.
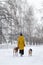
(7, 58)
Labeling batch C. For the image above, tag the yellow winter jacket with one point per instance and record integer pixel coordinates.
(21, 42)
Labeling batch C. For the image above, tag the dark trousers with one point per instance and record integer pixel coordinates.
(21, 52)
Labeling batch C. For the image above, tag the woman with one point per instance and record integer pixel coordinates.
(21, 44)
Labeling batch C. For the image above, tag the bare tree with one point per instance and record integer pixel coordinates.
(29, 17)
(21, 10)
(16, 17)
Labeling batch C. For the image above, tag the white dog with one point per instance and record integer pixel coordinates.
(30, 52)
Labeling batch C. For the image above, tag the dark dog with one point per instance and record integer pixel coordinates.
(30, 52)
(15, 51)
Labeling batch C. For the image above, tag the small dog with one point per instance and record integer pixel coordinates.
(15, 51)
(30, 52)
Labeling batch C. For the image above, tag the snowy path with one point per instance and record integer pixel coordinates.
(7, 58)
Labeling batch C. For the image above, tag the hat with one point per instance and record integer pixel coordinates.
(20, 34)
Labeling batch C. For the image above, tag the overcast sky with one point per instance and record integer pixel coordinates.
(35, 3)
